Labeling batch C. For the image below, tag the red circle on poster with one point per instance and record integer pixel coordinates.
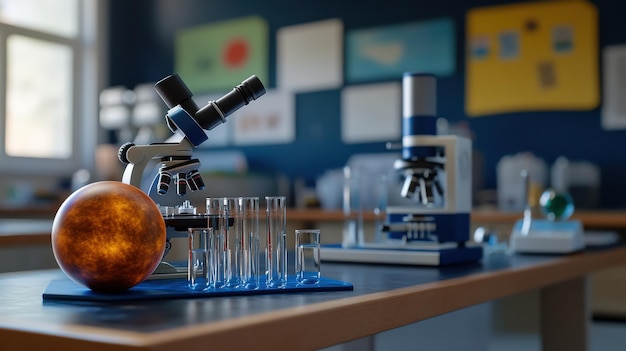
(235, 53)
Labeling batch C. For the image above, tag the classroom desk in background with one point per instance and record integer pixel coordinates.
(25, 245)
(591, 219)
(384, 297)
(25, 232)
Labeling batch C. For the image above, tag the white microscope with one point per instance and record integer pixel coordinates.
(437, 173)
(174, 158)
(435, 228)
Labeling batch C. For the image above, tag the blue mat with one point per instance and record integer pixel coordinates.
(68, 290)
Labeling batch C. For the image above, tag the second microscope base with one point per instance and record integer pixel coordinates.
(419, 257)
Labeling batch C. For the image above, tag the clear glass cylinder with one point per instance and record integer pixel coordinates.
(380, 206)
(276, 250)
(198, 266)
(250, 241)
(233, 248)
(216, 225)
(213, 205)
(352, 235)
(307, 256)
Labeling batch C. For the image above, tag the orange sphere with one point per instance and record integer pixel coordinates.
(108, 236)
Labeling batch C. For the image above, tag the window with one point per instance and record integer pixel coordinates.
(49, 78)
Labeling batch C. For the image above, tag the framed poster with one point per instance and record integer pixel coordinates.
(532, 56)
(218, 56)
(387, 52)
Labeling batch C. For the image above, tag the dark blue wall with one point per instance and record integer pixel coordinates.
(141, 50)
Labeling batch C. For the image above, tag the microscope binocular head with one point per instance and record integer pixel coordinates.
(186, 116)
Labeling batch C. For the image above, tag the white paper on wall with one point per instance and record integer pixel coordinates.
(371, 113)
(267, 120)
(614, 104)
(310, 56)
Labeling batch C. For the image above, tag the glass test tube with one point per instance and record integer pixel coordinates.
(198, 267)
(276, 251)
(250, 240)
(352, 209)
(232, 241)
(217, 239)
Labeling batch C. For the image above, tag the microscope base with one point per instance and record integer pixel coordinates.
(166, 270)
(403, 256)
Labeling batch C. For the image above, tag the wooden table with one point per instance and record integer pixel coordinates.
(384, 297)
(23, 232)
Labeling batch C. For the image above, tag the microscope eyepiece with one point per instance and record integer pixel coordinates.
(215, 112)
(252, 88)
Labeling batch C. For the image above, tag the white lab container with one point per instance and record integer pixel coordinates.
(512, 192)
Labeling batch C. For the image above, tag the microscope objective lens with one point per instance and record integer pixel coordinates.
(164, 182)
(195, 178)
(181, 184)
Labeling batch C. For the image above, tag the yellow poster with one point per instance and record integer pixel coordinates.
(532, 56)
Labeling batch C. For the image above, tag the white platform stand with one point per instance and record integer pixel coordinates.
(433, 255)
(548, 237)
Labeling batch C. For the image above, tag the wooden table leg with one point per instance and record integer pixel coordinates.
(565, 316)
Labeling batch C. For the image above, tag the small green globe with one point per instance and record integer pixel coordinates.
(556, 206)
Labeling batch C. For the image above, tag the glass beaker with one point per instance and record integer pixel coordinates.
(307, 256)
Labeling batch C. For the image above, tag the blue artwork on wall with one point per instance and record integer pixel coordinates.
(387, 52)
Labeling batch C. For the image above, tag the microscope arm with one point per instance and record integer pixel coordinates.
(139, 156)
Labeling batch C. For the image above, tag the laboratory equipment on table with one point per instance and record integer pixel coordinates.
(433, 228)
(308, 256)
(513, 194)
(276, 227)
(554, 234)
(172, 163)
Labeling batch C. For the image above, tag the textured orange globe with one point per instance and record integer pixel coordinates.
(108, 236)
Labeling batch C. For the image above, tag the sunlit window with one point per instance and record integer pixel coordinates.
(59, 17)
(39, 98)
(48, 84)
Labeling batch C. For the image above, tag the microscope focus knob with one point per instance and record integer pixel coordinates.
(122, 153)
